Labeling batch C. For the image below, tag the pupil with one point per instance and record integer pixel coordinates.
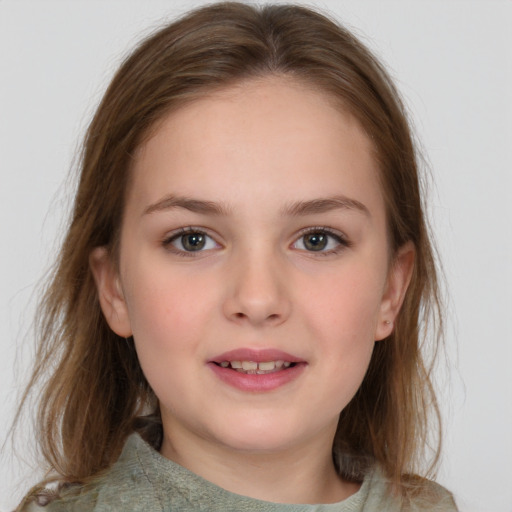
(315, 241)
(193, 242)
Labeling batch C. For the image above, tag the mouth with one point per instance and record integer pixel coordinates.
(257, 368)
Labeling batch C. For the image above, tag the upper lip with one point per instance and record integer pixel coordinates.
(256, 355)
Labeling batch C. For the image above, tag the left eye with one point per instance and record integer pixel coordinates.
(318, 241)
(192, 241)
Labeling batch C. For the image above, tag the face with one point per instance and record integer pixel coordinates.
(254, 269)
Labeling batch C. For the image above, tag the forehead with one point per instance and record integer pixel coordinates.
(262, 134)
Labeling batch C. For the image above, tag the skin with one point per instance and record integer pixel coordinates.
(256, 151)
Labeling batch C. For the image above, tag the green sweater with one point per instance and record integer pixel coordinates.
(142, 480)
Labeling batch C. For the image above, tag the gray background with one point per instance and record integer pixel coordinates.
(452, 61)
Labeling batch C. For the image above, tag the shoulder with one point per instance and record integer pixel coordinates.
(123, 487)
(433, 497)
(417, 495)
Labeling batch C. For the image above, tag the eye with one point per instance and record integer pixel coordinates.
(190, 240)
(320, 240)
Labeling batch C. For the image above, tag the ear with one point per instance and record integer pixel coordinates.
(110, 294)
(399, 277)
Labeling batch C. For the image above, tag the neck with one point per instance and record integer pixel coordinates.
(304, 474)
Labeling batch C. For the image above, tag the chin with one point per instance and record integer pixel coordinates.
(258, 436)
(258, 444)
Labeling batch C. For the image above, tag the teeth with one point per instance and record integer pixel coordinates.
(252, 367)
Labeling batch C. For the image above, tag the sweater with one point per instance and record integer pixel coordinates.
(142, 480)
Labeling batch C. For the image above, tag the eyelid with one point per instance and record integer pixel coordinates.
(339, 236)
(169, 238)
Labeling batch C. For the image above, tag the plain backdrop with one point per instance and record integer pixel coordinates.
(452, 62)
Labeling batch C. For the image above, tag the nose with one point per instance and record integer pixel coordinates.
(258, 291)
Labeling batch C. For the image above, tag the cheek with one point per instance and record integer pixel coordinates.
(341, 316)
(168, 324)
(169, 312)
(346, 304)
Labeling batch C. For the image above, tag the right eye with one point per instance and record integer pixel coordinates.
(190, 241)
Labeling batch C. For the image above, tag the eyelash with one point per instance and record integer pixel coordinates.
(341, 240)
(167, 243)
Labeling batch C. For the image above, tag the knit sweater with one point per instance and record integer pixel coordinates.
(142, 480)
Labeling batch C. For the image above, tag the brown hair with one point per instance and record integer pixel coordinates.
(96, 394)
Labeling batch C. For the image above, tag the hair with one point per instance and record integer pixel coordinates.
(96, 394)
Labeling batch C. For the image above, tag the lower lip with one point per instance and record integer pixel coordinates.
(257, 383)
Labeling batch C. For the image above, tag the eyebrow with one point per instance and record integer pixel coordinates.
(325, 205)
(298, 208)
(194, 205)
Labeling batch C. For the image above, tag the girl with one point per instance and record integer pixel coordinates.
(236, 317)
